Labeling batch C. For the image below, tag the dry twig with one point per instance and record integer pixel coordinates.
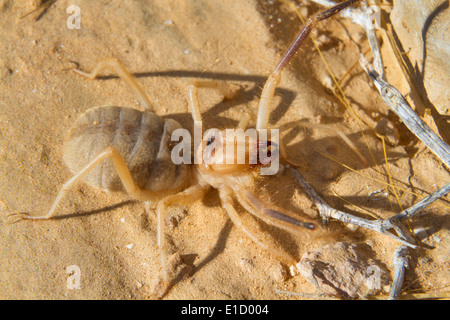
(397, 103)
(400, 263)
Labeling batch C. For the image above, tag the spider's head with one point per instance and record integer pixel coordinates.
(235, 152)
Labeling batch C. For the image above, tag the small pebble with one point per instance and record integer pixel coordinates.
(278, 273)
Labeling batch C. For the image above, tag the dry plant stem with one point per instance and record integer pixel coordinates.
(397, 103)
(381, 226)
(327, 212)
(400, 264)
(391, 96)
(415, 209)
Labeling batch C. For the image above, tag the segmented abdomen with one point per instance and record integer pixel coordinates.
(142, 139)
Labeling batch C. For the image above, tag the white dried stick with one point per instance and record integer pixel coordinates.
(391, 96)
(400, 264)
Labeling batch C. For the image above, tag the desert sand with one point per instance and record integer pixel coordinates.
(111, 239)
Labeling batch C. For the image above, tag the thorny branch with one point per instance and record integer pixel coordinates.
(397, 103)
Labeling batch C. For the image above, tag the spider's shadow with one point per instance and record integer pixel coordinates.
(95, 211)
(213, 113)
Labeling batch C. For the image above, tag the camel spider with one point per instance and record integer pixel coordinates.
(124, 149)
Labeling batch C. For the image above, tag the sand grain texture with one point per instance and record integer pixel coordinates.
(166, 44)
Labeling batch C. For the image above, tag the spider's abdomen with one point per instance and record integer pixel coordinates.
(142, 139)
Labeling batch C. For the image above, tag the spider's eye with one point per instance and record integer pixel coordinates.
(210, 140)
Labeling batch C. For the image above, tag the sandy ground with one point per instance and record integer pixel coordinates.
(166, 44)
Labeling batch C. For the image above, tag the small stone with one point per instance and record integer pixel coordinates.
(342, 270)
(278, 273)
